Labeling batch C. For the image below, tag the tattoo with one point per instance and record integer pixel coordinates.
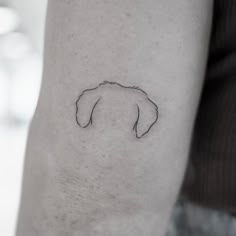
(147, 110)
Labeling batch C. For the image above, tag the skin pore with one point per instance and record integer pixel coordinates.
(108, 158)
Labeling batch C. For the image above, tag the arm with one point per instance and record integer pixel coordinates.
(108, 158)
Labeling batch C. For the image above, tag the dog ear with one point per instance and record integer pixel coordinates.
(147, 116)
(85, 106)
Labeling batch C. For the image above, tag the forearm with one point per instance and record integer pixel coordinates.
(106, 178)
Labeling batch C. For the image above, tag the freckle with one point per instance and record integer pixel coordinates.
(74, 222)
(128, 14)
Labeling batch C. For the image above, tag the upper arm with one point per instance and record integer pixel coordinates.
(108, 158)
(157, 45)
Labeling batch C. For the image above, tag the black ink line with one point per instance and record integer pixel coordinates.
(136, 122)
(91, 115)
(138, 109)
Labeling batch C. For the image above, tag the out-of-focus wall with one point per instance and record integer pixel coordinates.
(21, 47)
(32, 13)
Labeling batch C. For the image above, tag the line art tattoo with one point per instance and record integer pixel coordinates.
(147, 110)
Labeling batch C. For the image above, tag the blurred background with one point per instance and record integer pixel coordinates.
(21, 50)
(21, 47)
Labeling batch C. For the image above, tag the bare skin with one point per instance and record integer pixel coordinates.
(119, 175)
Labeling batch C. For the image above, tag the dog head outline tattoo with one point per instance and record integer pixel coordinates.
(147, 111)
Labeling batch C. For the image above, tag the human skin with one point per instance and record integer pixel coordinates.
(107, 179)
